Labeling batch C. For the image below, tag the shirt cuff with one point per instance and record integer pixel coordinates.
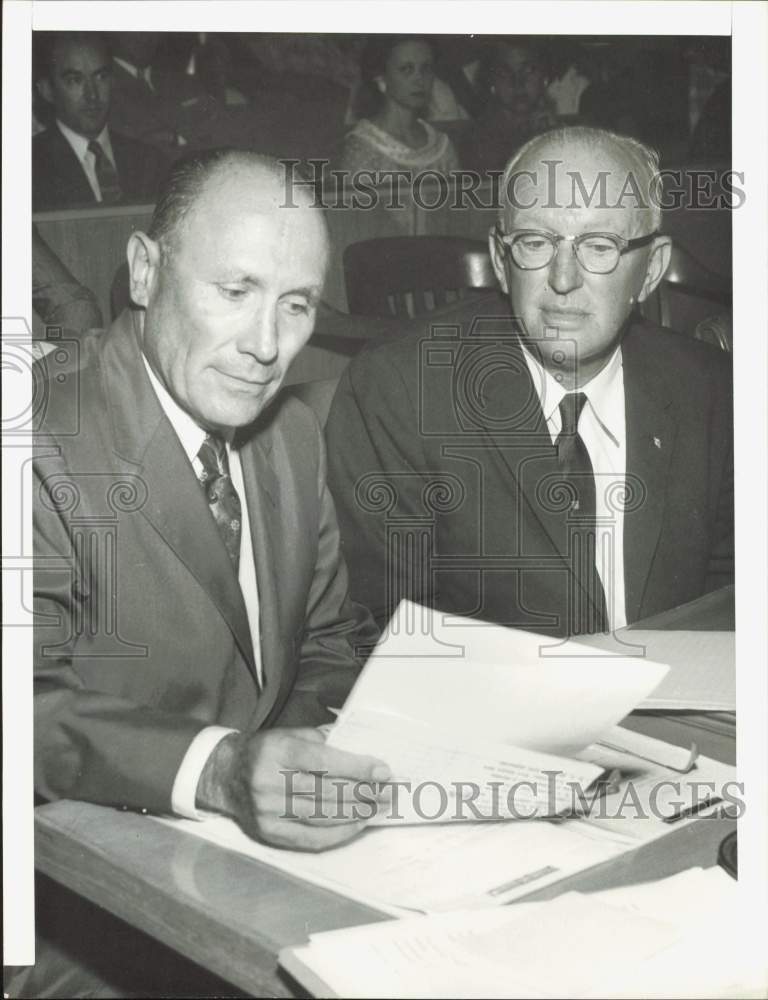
(184, 790)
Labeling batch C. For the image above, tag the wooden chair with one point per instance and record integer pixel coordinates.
(411, 275)
(694, 300)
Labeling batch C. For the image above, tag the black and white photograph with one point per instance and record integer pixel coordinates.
(384, 562)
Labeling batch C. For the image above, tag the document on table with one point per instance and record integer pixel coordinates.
(702, 674)
(442, 777)
(640, 941)
(703, 669)
(431, 868)
(499, 685)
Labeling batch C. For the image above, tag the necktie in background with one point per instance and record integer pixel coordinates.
(106, 174)
(587, 610)
(221, 494)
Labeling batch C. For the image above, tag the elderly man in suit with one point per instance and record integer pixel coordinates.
(78, 160)
(193, 620)
(567, 468)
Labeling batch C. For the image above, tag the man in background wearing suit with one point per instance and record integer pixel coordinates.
(78, 160)
(194, 619)
(566, 470)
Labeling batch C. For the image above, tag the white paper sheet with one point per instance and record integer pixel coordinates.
(702, 675)
(498, 684)
(444, 777)
(703, 669)
(431, 867)
(679, 936)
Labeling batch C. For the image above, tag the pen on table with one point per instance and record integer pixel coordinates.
(609, 783)
(692, 810)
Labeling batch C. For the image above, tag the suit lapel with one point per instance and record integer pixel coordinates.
(524, 457)
(651, 428)
(75, 187)
(261, 497)
(175, 507)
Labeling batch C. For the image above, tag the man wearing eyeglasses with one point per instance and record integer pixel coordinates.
(556, 464)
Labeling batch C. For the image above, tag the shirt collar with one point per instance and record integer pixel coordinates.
(604, 391)
(79, 143)
(188, 432)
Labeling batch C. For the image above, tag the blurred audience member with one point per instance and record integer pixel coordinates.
(79, 159)
(514, 76)
(58, 298)
(206, 59)
(397, 80)
(442, 106)
(459, 62)
(163, 106)
(711, 139)
(329, 57)
(611, 99)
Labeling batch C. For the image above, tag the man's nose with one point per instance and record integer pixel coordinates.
(564, 272)
(91, 91)
(261, 339)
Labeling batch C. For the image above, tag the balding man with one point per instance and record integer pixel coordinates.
(557, 465)
(189, 590)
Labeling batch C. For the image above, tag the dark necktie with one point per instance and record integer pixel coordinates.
(221, 494)
(106, 174)
(587, 611)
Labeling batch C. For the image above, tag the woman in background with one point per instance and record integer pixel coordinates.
(519, 106)
(397, 77)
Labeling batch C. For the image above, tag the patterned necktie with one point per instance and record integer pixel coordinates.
(221, 494)
(585, 615)
(106, 174)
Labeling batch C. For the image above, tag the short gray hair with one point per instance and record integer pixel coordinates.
(644, 160)
(184, 184)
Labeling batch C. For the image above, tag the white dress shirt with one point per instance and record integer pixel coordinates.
(191, 437)
(79, 144)
(602, 428)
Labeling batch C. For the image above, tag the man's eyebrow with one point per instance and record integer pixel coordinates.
(311, 292)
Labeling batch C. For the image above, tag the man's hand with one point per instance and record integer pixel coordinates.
(286, 787)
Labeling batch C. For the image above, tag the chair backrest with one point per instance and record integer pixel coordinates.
(694, 300)
(407, 276)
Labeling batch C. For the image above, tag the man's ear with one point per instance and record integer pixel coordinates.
(658, 262)
(498, 259)
(144, 259)
(44, 89)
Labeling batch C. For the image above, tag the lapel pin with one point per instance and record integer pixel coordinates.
(657, 442)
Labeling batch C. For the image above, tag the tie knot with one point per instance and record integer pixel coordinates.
(94, 146)
(571, 406)
(213, 456)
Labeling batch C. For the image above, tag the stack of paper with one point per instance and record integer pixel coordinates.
(702, 675)
(455, 706)
(495, 684)
(678, 937)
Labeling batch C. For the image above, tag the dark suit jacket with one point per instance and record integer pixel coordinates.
(442, 469)
(177, 106)
(59, 181)
(141, 637)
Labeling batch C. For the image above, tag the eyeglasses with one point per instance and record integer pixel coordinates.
(598, 253)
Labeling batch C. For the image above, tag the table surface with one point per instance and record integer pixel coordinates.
(232, 914)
